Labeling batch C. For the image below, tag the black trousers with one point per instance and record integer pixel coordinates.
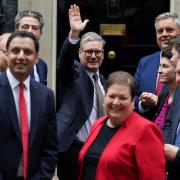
(68, 165)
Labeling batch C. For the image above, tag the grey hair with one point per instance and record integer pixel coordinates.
(29, 13)
(168, 15)
(91, 36)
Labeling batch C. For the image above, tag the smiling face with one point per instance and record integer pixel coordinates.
(91, 63)
(165, 29)
(22, 56)
(118, 103)
(166, 71)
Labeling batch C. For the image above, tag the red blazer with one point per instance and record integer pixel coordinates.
(135, 152)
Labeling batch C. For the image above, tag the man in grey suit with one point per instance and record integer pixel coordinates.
(28, 133)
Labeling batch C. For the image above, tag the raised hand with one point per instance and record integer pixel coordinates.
(75, 21)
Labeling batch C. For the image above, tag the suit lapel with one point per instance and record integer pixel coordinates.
(175, 115)
(9, 104)
(34, 112)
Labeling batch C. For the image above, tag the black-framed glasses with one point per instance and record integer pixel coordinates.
(89, 52)
(3, 50)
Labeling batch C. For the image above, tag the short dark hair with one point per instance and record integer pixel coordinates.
(175, 41)
(23, 34)
(166, 52)
(122, 78)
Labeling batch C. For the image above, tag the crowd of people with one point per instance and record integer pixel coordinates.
(124, 128)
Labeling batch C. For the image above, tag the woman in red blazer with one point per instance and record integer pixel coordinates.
(122, 145)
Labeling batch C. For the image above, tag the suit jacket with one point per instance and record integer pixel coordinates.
(130, 154)
(146, 75)
(42, 136)
(169, 132)
(42, 71)
(76, 96)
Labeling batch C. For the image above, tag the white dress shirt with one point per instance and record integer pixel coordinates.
(85, 129)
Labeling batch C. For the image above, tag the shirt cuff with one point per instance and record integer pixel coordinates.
(141, 109)
(73, 41)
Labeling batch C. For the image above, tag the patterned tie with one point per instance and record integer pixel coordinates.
(24, 128)
(99, 97)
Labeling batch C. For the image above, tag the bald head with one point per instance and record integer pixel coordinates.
(3, 40)
(3, 57)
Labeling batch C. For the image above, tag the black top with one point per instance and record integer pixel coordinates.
(94, 152)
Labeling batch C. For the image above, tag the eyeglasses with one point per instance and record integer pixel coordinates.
(89, 52)
(3, 50)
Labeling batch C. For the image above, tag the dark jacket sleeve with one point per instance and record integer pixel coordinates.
(153, 112)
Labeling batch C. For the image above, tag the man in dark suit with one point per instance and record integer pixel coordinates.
(32, 21)
(78, 108)
(28, 133)
(167, 25)
(171, 129)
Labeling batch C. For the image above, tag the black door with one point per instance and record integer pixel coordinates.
(126, 25)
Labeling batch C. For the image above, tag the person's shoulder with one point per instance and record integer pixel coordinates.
(37, 85)
(42, 62)
(143, 125)
(3, 78)
(142, 120)
(151, 56)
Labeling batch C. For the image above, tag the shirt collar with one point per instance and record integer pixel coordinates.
(92, 73)
(14, 82)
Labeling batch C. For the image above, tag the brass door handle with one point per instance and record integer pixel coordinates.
(111, 54)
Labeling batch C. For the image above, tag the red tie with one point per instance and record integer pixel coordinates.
(24, 129)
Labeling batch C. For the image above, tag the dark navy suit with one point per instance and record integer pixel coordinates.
(42, 137)
(146, 75)
(170, 131)
(42, 71)
(76, 98)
